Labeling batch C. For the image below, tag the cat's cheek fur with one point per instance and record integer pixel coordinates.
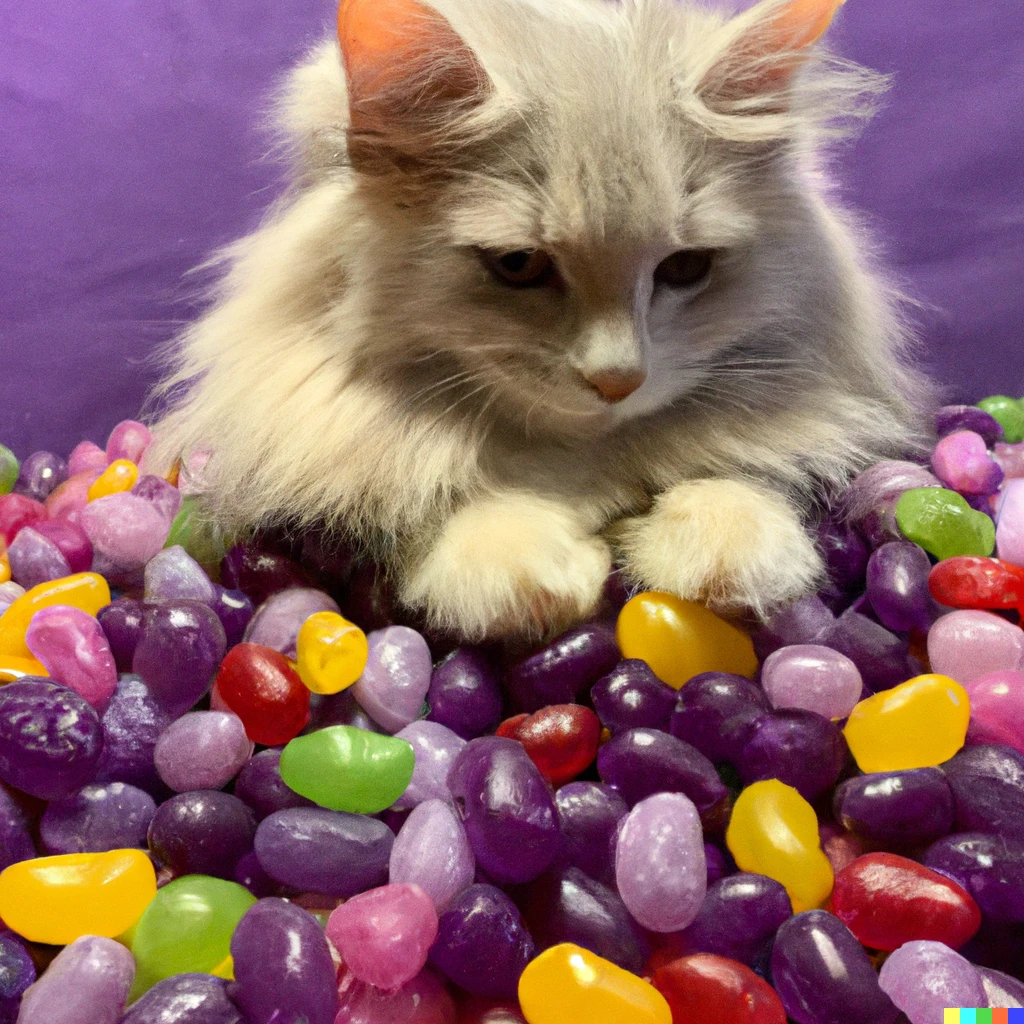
(722, 541)
(513, 564)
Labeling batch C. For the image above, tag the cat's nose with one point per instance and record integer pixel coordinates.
(615, 385)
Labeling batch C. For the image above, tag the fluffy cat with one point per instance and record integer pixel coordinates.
(559, 281)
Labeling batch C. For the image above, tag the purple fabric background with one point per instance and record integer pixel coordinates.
(129, 149)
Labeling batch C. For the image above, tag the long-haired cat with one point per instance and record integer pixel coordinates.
(559, 282)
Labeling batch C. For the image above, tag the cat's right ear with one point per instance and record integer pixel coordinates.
(409, 75)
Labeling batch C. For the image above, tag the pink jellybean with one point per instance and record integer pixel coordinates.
(1010, 523)
(86, 456)
(962, 462)
(128, 440)
(997, 709)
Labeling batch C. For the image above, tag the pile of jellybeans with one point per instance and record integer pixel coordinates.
(223, 802)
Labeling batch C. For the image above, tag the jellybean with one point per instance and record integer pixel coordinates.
(259, 784)
(1002, 990)
(234, 610)
(988, 788)
(708, 987)
(198, 535)
(918, 724)
(717, 713)
(962, 462)
(35, 560)
(87, 981)
(1009, 413)
(202, 750)
(395, 681)
(507, 809)
(567, 983)
(897, 586)
(348, 769)
(989, 867)
(122, 622)
(560, 739)
(58, 899)
(164, 497)
(882, 657)
(331, 652)
(315, 850)
(564, 669)
(279, 620)
(681, 639)
(846, 557)
(631, 696)
(185, 999)
(9, 470)
(86, 591)
(1011, 458)
(944, 524)
(588, 815)
(435, 748)
(71, 496)
(823, 974)
(17, 512)
(15, 840)
(187, 927)
(259, 573)
(282, 966)
(968, 644)
(660, 870)
(997, 709)
(97, 819)
(128, 440)
(464, 693)
(119, 476)
(973, 582)
(132, 724)
(173, 573)
(813, 678)
(899, 808)
(70, 539)
(1010, 523)
(17, 971)
(433, 852)
(125, 529)
(204, 832)
(773, 831)
(951, 418)
(72, 646)
(923, 978)
(482, 917)
(424, 1000)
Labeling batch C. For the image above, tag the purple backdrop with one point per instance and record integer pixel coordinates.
(129, 149)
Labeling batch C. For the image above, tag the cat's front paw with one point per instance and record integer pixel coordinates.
(511, 566)
(723, 542)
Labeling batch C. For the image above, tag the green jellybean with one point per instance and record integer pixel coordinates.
(9, 470)
(944, 524)
(348, 769)
(1010, 414)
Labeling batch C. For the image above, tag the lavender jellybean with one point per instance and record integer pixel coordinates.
(164, 497)
(922, 978)
(433, 852)
(174, 573)
(185, 999)
(968, 644)
(128, 440)
(464, 693)
(202, 750)
(813, 678)
(17, 971)
(1010, 523)
(35, 559)
(132, 724)
(588, 816)
(97, 818)
(435, 747)
(870, 500)
(962, 462)
(125, 529)
(278, 620)
(205, 832)
(395, 681)
(631, 696)
(1001, 989)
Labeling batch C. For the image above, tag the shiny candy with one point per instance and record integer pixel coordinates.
(435, 748)
(989, 867)
(131, 724)
(331, 652)
(279, 620)
(176, 574)
(128, 440)
(944, 524)
(920, 723)
(588, 816)
(660, 869)
(705, 987)
(897, 586)
(813, 678)
(681, 639)
(97, 819)
(70, 539)
(424, 1000)
(202, 750)
(40, 473)
(464, 693)
(569, 983)
(17, 512)
(59, 899)
(561, 740)
(717, 713)
(923, 978)
(1009, 413)
(259, 784)
(988, 788)
(185, 999)
(9, 469)
(1010, 524)
(164, 497)
(951, 418)
(962, 462)
(773, 831)
(973, 582)
(395, 681)
(119, 476)
(34, 559)
(969, 644)
(15, 841)
(997, 709)
(126, 529)
(631, 696)
(348, 769)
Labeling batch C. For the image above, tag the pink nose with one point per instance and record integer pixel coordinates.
(615, 385)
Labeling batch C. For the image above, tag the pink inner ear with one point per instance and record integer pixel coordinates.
(803, 22)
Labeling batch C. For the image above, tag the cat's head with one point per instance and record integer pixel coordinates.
(586, 210)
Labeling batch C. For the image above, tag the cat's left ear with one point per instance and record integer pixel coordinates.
(768, 45)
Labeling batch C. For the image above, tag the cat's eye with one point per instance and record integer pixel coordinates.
(685, 269)
(523, 268)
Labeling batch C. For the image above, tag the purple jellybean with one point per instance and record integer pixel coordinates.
(260, 785)
(125, 529)
(17, 971)
(717, 865)
(97, 818)
(278, 620)
(717, 712)
(565, 668)
(394, 683)
(15, 839)
(738, 918)
(896, 809)
(1010, 523)
(922, 978)
(204, 832)
(87, 981)
(631, 696)
(588, 816)
(1001, 989)
(813, 678)
(174, 573)
(40, 474)
(181, 647)
(50, 738)
(800, 748)
(989, 867)
(164, 497)
(70, 539)
(249, 872)
(962, 462)
(128, 440)
(801, 622)
(952, 418)
(660, 870)
(883, 659)
(464, 694)
(35, 559)
(185, 999)
(570, 906)
(202, 750)
(846, 557)
(988, 789)
(435, 747)
(483, 918)
(642, 762)
(341, 708)
(433, 852)
(74, 649)
(282, 966)
(122, 625)
(507, 808)
(132, 724)
(260, 573)
(234, 610)
(897, 587)
(823, 975)
(330, 852)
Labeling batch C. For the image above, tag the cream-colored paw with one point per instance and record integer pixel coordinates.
(724, 542)
(512, 565)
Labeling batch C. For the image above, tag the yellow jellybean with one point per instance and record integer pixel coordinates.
(119, 476)
(13, 667)
(918, 724)
(568, 983)
(85, 590)
(225, 969)
(773, 831)
(59, 899)
(331, 652)
(5, 563)
(680, 639)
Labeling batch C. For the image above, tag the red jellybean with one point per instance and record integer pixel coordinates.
(478, 1010)
(561, 739)
(17, 511)
(266, 693)
(705, 987)
(887, 900)
(970, 581)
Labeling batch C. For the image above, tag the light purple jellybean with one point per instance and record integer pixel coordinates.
(1009, 523)
(922, 978)
(97, 818)
(436, 748)
(278, 620)
(86, 457)
(175, 573)
(433, 852)
(962, 462)
(394, 683)
(158, 492)
(9, 593)
(126, 529)
(35, 559)
(968, 644)
(812, 677)
(660, 868)
(128, 440)
(74, 649)
(202, 750)
(87, 981)
(190, 476)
